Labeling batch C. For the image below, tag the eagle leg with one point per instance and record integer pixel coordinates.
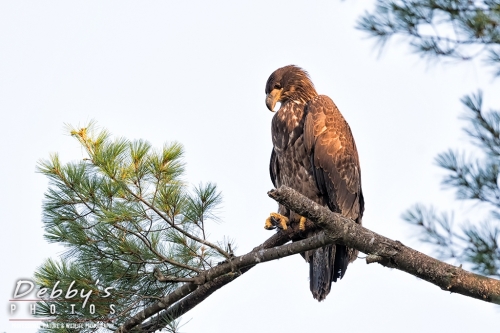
(276, 220)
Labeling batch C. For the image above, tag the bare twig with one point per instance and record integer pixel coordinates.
(187, 234)
(148, 244)
(162, 278)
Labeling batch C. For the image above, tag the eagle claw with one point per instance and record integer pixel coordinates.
(302, 223)
(276, 220)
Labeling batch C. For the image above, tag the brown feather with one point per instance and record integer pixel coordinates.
(314, 153)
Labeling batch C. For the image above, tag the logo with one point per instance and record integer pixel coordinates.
(44, 304)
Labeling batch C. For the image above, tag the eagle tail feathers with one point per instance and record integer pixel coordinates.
(341, 262)
(321, 271)
(326, 264)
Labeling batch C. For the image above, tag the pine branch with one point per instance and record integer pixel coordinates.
(124, 212)
(392, 254)
(231, 267)
(148, 244)
(189, 235)
(177, 310)
(199, 295)
(474, 179)
(336, 229)
(453, 29)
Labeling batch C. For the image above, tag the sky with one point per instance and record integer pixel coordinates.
(195, 72)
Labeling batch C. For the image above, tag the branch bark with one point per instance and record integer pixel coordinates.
(336, 229)
(390, 253)
(199, 295)
(232, 266)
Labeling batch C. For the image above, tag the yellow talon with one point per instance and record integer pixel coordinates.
(269, 225)
(302, 223)
(283, 221)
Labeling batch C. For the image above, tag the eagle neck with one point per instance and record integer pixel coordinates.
(288, 124)
(292, 112)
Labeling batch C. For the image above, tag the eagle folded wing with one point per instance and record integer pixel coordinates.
(334, 158)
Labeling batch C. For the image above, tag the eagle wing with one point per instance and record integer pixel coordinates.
(329, 142)
(335, 164)
(274, 169)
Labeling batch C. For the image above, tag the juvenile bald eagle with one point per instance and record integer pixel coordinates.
(315, 154)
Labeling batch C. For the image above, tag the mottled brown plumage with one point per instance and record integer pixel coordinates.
(314, 153)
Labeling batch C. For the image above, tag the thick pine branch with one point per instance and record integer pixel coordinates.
(207, 289)
(337, 229)
(390, 253)
(232, 267)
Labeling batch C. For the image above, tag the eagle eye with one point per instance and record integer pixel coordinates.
(277, 86)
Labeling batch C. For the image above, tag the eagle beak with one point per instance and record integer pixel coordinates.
(272, 98)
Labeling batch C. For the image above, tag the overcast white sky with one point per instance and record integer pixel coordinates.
(195, 72)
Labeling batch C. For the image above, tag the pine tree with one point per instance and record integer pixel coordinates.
(132, 228)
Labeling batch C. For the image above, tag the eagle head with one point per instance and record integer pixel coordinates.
(289, 83)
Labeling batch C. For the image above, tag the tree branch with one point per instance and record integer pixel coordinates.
(336, 229)
(199, 295)
(160, 214)
(232, 266)
(392, 254)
